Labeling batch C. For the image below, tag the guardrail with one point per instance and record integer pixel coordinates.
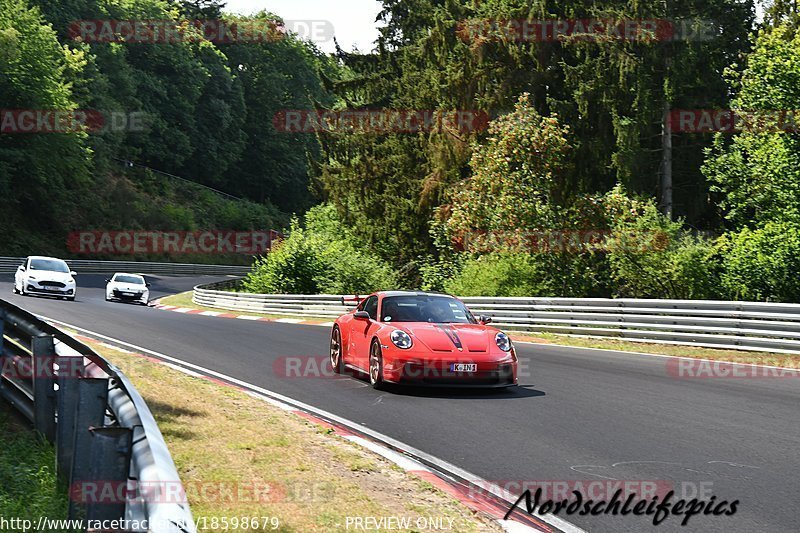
(755, 326)
(105, 435)
(10, 264)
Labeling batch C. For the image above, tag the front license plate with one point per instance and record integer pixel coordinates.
(464, 367)
(127, 294)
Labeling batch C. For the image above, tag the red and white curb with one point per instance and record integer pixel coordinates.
(477, 494)
(220, 314)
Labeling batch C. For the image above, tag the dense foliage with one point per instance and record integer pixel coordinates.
(207, 112)
(762, 264)
(578, 186)
(321, 257)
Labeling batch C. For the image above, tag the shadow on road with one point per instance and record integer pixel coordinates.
(511, 393)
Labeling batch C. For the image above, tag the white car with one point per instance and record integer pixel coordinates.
(45, 275)
(127, 288)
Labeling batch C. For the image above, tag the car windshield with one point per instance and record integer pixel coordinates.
(51, 265)
(135, 280)
(432, 309)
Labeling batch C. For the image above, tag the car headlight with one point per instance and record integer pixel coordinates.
(502, 341)
(401, 339)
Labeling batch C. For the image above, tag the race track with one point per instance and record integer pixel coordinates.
(579, 414)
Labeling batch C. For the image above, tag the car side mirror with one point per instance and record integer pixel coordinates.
(73, 273)
(21, 268)
(108, 280)
(483, 319)
(361, 315)
(146, 284)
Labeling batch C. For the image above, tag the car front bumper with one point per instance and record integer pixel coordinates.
(50, 288)
(127, 296)
(490, 373)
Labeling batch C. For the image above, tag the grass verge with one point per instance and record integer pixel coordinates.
(228, 446)
(733, 356)
(28, 485)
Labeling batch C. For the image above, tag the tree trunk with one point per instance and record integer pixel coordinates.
(666, 162)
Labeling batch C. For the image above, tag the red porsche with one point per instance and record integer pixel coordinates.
(421, 338)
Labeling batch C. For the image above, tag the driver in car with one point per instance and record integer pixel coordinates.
(439, 312)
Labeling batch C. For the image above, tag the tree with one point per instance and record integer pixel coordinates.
(757, 173)
(612, 93)
(276, 77)
(37, 171)
(518, 175)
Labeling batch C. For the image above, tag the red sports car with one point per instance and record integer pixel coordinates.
(421, 338)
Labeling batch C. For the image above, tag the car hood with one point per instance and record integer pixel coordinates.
(127, 287)
(450, 337)
(48, 275)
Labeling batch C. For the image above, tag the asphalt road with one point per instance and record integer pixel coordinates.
(579, 416)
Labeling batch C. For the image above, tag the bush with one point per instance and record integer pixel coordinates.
(322, 258)
(497, 274)
(292, 267)
(534, 275)
(652, 256)
(435, 273)
(762, 264)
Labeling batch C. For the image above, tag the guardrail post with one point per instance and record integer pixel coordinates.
(91, 412)
(2, 353)
(111, 458)
(2, 325)
(70, 369)
(44, 393)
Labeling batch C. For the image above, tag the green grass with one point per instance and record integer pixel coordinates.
(219, 435)
(28, 485)
(714, 354)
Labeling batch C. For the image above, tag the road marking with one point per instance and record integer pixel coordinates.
(289, 320)
(115, 348)
(388, 442)
(248, 317)
(400, 460)
(182, 370)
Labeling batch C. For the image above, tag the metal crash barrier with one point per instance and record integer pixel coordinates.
(756, 326)
(108, 445)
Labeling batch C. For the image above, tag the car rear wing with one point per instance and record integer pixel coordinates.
(354, 300)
